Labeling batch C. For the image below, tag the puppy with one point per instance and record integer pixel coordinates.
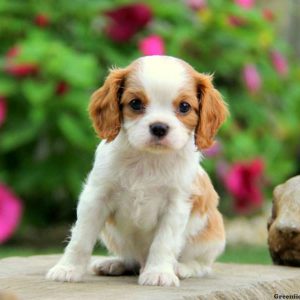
(153, 203)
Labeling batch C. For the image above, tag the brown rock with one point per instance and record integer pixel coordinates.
(25, 276)
(284, 224)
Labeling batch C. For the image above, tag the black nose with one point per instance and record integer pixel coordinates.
(159, 129)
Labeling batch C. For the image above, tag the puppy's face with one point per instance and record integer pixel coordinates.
(160, 102)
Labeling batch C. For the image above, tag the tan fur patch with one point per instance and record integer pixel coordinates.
(205, 201)
(213, 111)
(190, 119)
(214, 229)
(204, 196)
(129, 95)
(104, 106)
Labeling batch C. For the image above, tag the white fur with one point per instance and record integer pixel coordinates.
(195, 224)
(146, 192)
(162, 78)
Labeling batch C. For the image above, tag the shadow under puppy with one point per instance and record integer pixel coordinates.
(153, 203)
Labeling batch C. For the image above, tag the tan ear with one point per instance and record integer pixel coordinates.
(212, 111)
(104, 108)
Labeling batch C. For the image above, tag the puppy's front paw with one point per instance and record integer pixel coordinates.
(158, 278)
(67, 273)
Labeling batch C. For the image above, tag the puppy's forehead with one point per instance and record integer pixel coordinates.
(162, 76)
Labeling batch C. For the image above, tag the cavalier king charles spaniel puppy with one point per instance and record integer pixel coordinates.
(146, 197)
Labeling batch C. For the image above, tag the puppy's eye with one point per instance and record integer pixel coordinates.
(184, 107)
(137, 105)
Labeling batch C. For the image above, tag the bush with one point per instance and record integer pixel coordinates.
(55, 53)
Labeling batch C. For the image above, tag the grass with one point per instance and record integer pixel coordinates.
(246, 255)
(241, 254)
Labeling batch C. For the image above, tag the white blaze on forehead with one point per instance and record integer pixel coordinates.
(162, 77)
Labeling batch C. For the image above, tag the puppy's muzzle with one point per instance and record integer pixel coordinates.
(159, 130)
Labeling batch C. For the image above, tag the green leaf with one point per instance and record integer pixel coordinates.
(7, 86)
(37, 93)
(12, 139)
(74, 131)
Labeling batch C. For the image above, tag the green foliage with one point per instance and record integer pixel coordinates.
(47, 142)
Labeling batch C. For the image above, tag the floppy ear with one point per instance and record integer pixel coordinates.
(212, 111)
(104, 108)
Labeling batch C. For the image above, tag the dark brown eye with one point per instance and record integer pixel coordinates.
(137, 105)
(184, 107)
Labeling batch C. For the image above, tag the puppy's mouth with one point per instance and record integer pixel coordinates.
(158, 145)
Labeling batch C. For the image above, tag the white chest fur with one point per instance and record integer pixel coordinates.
(140, 208)
(142, 184)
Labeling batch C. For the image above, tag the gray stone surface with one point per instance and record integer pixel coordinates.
(25, 277)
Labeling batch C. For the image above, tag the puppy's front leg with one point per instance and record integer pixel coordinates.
(166, 245)
(91, 215)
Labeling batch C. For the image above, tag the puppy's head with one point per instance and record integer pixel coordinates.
(160, 102)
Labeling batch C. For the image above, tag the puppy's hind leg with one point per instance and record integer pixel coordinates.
(114, 266)
(202, 249)
(192, 268)
(123, 262)
(198, 262)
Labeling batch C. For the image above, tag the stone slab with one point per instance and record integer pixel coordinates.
(25, 277)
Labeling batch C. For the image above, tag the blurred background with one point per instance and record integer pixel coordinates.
(54, 54)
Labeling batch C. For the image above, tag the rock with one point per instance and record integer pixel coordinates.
(284, 224)
(25, 276)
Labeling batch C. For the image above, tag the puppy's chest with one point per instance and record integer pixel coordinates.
(143, 190)
(139, 209)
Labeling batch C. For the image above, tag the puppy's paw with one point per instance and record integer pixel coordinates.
(158, 278)
(67, 273)
(109, 267)
(204, 271)
(184, 270)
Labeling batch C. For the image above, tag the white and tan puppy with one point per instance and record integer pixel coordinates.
(147, 195)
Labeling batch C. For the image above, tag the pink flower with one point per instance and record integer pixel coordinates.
(127, 20)
(268, 15)
(152, 45)
(279, 62)
(13, 52)
(2, 110)
(18, 69)
(214, 150)
(251, 78)
(247, 4)
(236, 21)
(196, 4)
(10, 213)
(62, 88)
(222, 168)
(41, 20)
(22, 69)
(243, 182)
